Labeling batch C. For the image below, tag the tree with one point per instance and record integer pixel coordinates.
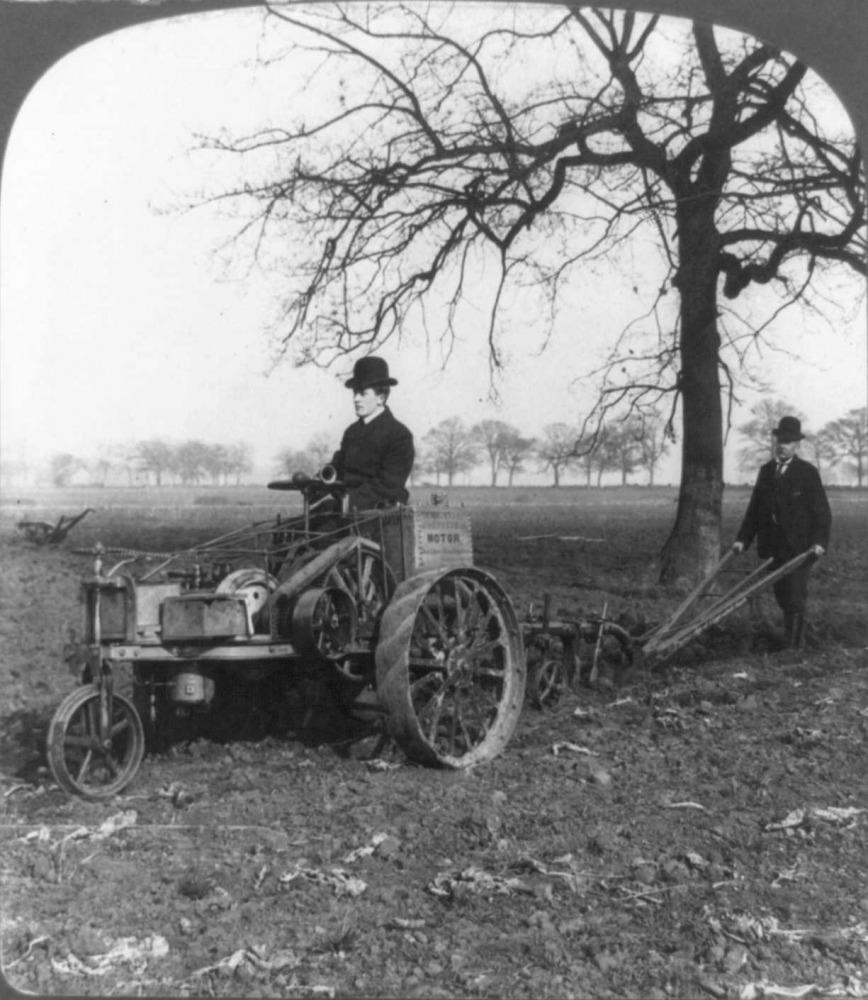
(624, 446)
(155, 457)
(822, 449)
(848, 436)
(492, 437)
(604, 455)
(214, 462)
(63, 467)
(557, 449)
(193, 459)
(316, 453)
(239, 460)
(586, 447)
(653, 437)
(450, 448)
(441, 151)
(103, 462)
(290, 460)
(126, 456)
(516, 451)
(758, 432)
(320, 448)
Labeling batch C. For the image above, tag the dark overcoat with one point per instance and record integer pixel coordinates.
(787, 514)
(375, 460)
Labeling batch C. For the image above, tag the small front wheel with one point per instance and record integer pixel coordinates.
(94, 757)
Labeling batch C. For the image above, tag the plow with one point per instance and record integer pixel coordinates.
(383, 607)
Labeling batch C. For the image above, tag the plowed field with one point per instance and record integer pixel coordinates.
(700, 830)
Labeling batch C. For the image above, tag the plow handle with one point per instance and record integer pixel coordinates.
(669, 640)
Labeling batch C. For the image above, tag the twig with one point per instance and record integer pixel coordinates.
(30, 947)
(645, 895)
(686, 805)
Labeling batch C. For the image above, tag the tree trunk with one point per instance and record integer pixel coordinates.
(693, 546)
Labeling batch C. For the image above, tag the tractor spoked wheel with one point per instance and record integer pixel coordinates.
(90, 757)
(364, 575)
(370, 583)
(450, 667)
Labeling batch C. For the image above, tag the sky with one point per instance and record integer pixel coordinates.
(120, 321)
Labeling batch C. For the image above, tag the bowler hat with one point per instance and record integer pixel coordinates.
(369, 373)
(788, 429)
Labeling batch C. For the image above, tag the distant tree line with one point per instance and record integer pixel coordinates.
(626, 448)
(453, 448)
(158, 462)
(841, 443)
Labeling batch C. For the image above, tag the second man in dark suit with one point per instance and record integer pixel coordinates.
(788, 513)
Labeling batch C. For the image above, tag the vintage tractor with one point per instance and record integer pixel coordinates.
(385, 604)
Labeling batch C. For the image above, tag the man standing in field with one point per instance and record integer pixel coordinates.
(376, 453)
(788, 513)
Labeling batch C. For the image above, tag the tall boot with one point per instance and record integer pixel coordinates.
(797, 639)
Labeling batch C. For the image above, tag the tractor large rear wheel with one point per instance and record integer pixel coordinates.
(450, 667)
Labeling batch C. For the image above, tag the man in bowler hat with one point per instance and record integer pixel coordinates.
(376, 453)
(788, 513)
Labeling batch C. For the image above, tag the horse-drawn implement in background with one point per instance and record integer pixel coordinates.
(385, 606)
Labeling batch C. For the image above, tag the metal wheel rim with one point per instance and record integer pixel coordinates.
(450, 667)
(78, 763)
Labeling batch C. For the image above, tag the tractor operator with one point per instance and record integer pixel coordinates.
(376, 453)
(789, 514)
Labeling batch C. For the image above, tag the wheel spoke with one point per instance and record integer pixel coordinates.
(436, 622)
(464, 601)
(84, 766)
(80, 742)
(120, 726)
(420, 664)
(432, 708)
(112, 764)
(432, 677)
(458, 723)
(480, 648)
